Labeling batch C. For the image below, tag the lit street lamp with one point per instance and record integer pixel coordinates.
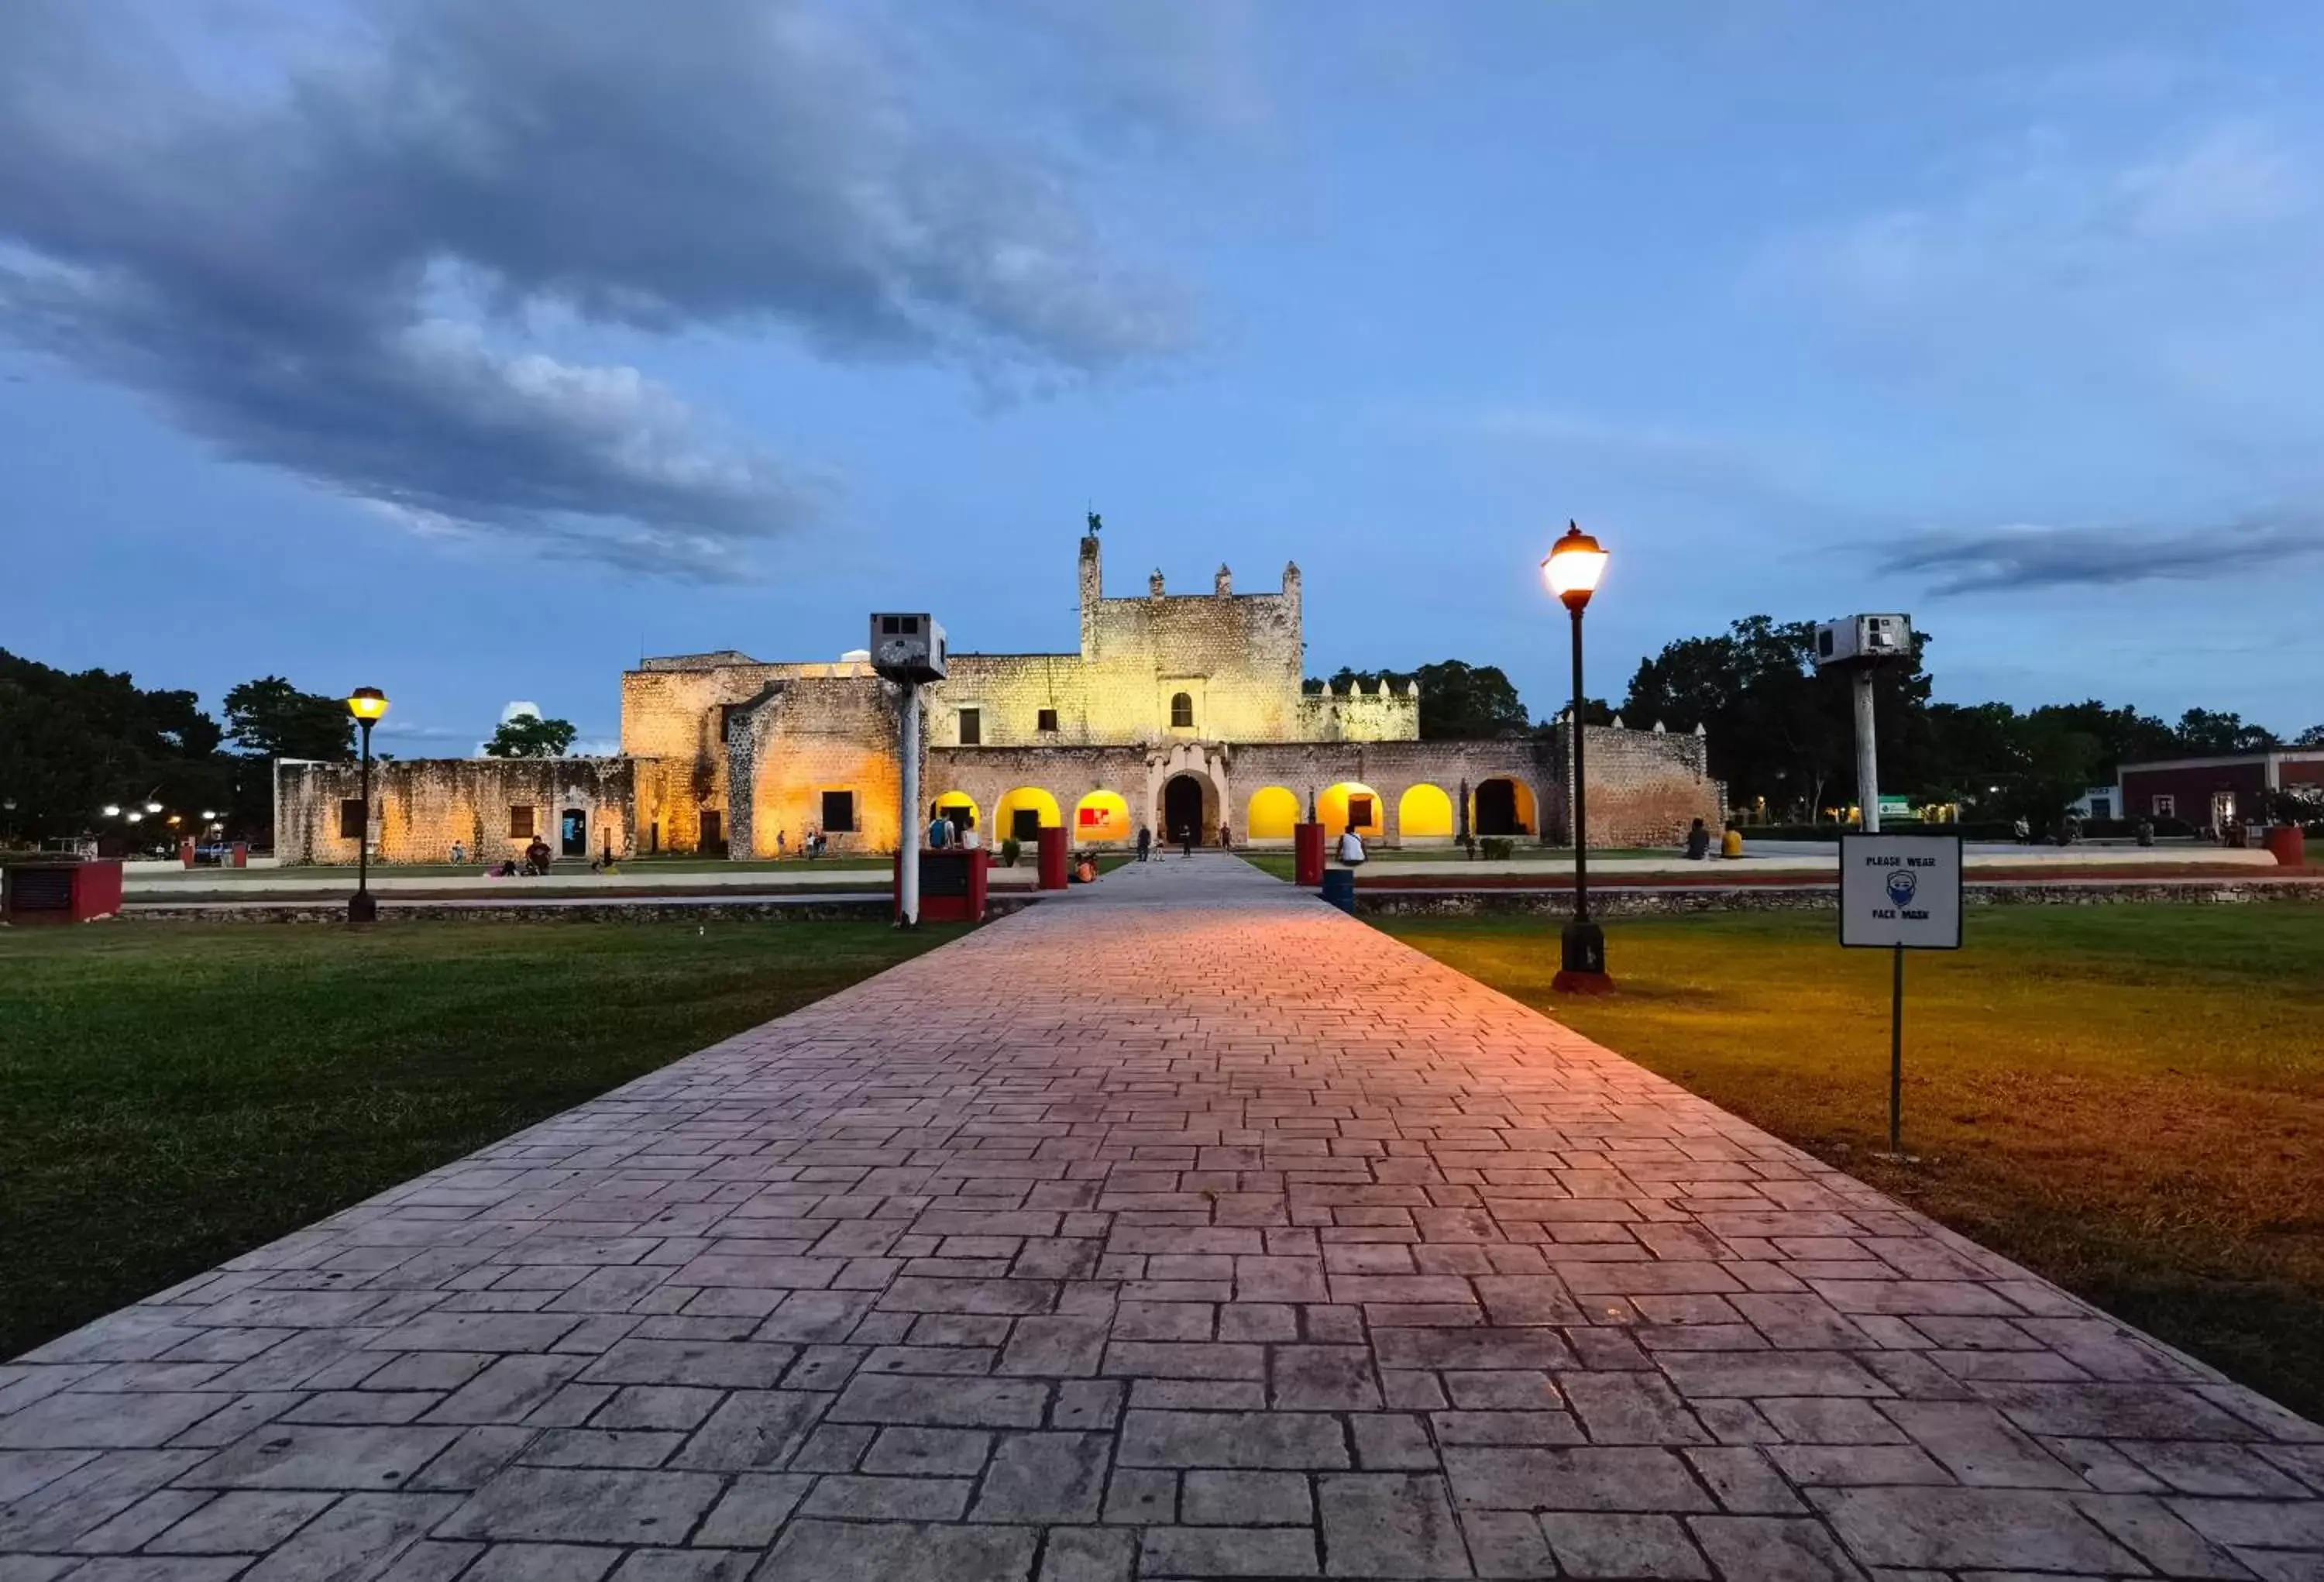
(367, 704)
(1572, 568)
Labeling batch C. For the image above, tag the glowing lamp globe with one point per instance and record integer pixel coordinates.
(1575, 563)
(367, 703)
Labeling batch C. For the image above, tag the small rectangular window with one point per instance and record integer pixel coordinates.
(1359, 812)
(351, 818)
(520, 823)
(1048, 720)
(838, 812)
(2166, 807)
(971, 727)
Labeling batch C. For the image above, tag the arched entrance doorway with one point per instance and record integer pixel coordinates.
(1182, 809)
(1504, 807)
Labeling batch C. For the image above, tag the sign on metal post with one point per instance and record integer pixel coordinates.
(1899, 893)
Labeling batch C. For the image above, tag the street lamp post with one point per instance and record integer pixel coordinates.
(1574, 564)
(367, 704)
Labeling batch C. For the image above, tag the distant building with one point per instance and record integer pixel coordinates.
(1178, 711)
(2214, 792)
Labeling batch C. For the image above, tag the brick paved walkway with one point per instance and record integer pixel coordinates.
(1178, 1228)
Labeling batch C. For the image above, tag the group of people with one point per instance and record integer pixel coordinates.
(812, 846)
(1698, 842)
(952, 827)
(1187, 836)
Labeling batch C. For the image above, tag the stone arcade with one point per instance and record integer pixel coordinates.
(1177, 708)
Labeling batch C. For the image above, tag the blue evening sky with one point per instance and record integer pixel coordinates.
(469, 351)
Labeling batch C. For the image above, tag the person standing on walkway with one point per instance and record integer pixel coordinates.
(1226, 836)
(1186, 838)
(1144, 842)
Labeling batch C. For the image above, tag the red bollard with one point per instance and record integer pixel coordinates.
(1308, 847)
(1053, 857)
(186, 852)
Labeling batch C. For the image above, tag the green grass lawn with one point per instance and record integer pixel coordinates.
(2129, 1099)
(175, 1094)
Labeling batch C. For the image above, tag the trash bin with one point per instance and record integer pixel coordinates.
(1340, 888)
(2289, 844)
(1307, 849)
(1053, 857)
(952, 885)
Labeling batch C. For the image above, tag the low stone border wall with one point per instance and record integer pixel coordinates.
(806, 910)
(1649, 900)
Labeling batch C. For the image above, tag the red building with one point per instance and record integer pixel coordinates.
(2214, 792)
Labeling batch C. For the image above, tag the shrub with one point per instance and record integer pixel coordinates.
(1011, 850)
(1498, 848)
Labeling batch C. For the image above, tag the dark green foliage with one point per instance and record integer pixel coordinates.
(528, 735)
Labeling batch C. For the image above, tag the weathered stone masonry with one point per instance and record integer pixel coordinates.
(1200, 692)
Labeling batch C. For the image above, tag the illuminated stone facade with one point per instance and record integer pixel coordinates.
(1179, 710)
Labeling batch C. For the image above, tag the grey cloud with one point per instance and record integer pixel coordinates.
(333, 273)
(2029, 556)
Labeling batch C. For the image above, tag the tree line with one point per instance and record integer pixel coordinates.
(73, 743)
(1782, 733)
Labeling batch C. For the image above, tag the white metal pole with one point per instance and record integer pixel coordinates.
(1868, 767)
(907, 862)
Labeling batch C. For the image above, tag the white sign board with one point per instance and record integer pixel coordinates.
(1901, 890)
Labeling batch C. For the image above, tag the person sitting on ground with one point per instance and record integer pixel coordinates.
(536, 857)
(1085, 872)
(1730, 845)
(507, 869)
(1352, 848)
(1698, 842)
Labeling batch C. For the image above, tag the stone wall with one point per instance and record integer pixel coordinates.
(805, 736)
(1646, 787)
(420, 807)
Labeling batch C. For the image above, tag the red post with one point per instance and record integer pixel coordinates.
(240, 856)
(1053, 857)
(1308, 847)
(186, 851)
(2289, 844)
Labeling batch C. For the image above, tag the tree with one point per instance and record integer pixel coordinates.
(71, 743)
(1458, 701)
(271, 719)
(2203, 732)
(528, 736)
(2313, 736)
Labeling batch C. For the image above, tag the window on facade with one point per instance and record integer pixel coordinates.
(1047, 721)
(520, 823)
(971, 727)
(2166, 807)
(1182, 711)
(726, 720)
(351, 819)
(1359, 812)
(838, 812)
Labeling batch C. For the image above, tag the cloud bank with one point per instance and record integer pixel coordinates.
(2031, 556)
(332, 260)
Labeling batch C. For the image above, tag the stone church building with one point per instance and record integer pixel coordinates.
(1177, 710)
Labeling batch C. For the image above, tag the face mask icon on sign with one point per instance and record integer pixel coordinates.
(1901, 886)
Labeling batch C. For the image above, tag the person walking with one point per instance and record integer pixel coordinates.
(1144, 842)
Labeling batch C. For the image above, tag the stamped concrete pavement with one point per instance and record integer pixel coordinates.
(1178, 1228)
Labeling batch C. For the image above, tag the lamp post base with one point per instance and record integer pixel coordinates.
(363, 907)
(1581, 961)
